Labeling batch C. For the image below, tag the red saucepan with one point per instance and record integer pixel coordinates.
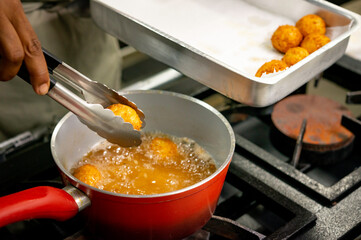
(172, 215)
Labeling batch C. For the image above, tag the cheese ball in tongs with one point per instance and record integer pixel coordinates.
(91, 111)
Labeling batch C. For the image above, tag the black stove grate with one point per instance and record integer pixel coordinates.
(296, 217)
(348, 171)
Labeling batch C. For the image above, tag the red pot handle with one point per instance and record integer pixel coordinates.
(38, 202)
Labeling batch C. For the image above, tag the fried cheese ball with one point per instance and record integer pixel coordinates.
(286, 37)
(314, 41)
(127, 113)
(311, 24)
(164, 148)
(294, 55)
(271, 67)
(88, 174)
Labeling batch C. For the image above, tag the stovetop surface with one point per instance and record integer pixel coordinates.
(263, 197)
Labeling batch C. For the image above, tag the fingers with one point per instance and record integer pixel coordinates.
(31, 52)
(33, 55)
(36, 65)
(11, 51)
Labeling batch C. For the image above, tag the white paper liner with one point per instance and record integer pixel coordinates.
(231, 32)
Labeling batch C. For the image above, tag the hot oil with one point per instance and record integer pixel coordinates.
(162, 163)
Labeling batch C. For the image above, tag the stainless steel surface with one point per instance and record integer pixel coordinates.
(92, 112)
(182, 116)
(17, 142)
(350, 63)
(166, 76)
(352, 58)
(208, 69)
(80, 198)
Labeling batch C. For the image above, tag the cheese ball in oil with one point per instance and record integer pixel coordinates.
(294, 55)
(127, 113)
(286, 37)
(163, 148)
(314, 41)
(271, 67)
(311, 24)
(88, 174)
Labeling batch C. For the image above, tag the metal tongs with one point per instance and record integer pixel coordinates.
(97, 97)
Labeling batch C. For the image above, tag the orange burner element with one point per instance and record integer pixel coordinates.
(324, 131)
(286, 37)
(314, 41)
(271, 67)
(294, 55)
(164, 148)
(88, 174)
(311, 24)
(127, 113)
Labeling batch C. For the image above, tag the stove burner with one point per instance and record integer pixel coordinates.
(324, 130)
(324, 137)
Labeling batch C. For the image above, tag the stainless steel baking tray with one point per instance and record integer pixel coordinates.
(222, 43)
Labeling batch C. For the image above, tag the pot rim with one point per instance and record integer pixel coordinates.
(189, 188)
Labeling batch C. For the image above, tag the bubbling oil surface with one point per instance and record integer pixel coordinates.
(162, 163)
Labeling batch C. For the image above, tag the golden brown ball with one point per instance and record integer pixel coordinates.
(286, 37)
(294, 55)
(164, 148)
(127, 113)
(88, 174)
(271, 67)
(311, 24)
(314, 41)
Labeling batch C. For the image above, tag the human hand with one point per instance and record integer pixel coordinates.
(18, 43)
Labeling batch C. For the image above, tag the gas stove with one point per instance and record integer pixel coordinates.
(265, 195)
(269, 193)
